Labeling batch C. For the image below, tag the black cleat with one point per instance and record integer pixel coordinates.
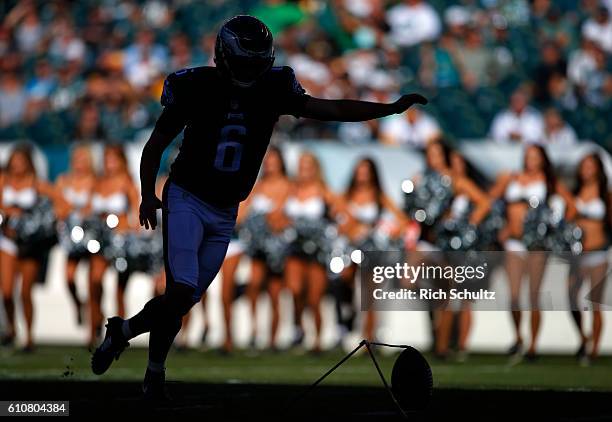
(154, 387)
(111, 348)
(516, 349)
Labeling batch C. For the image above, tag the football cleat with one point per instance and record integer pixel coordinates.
(111, 348)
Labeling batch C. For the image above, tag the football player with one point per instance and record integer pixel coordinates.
(227, 112)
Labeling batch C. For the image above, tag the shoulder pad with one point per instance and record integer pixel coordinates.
(289, 79)
(176, 83)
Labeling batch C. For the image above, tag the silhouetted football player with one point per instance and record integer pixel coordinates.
(228, 113)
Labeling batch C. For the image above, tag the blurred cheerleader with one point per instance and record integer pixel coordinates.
(592, 199)
(472, 205)
(27, 204)
(429, 195)
(308, 206)
(265, 228)
(114, 203)
(442, 192)
(447, 189)
(360, 218)
(525, 193)
(76, 186)
(469, 201)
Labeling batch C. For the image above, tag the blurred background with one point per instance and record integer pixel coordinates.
(499, 74)
(93, 70)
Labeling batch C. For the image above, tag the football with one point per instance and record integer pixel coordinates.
(412, 380)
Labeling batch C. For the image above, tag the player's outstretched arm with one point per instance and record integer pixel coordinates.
(355, 110)
(163, 134)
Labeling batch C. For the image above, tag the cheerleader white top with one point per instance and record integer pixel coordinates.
(22, 198)
(366, 213)
(311, 208)
(116, 203)
(594, 209)
(517, 192)
(78, 199)
(261, 204)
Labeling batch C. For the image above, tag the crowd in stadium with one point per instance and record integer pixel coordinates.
(94, 70)
(515, 71)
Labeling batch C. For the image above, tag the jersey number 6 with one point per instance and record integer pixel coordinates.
(229, 151)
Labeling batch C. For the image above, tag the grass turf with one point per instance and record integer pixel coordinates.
(479, 372)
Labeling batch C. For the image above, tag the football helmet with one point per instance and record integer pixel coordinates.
(244, 50)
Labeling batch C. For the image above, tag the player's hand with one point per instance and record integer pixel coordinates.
(407, 101)
(148, 212)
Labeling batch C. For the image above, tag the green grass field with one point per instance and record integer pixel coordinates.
(479, 372)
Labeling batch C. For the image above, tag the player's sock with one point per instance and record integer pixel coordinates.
(141, 322)
(155, 366)
(161, 339)
(167, 320)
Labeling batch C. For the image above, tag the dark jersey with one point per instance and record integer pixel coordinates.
(227, 128)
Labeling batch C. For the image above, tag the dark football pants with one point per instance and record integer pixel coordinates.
(196, 237)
